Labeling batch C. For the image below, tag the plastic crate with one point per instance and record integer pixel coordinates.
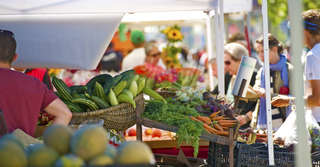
(257, 155)
(218, 155)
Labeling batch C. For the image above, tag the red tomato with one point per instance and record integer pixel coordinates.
(156, 133)
(132, 132)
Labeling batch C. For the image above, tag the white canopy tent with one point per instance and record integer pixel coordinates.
(75, 33)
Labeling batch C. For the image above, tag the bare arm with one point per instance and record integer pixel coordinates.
(314, 99)
(60, 111)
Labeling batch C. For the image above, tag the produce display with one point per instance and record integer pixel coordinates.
(193, 113)
(172, 78)
(103, 91)
(62, 147)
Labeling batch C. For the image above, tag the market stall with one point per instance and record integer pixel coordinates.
(102, 16)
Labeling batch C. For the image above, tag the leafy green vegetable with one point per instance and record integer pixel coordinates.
(177, 115)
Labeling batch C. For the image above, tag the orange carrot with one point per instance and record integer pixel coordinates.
(218, 118)
(224, 133)
(212, 130)
(217, 126)
(193, 118)
(214, 114)
(227, 121)
(225, 128)
(206, 120)
(227, 124)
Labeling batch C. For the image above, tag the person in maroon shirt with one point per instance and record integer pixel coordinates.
(22, 97)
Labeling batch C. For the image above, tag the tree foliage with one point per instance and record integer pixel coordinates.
(278, 12)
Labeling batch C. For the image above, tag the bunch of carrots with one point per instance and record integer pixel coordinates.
(216, 124)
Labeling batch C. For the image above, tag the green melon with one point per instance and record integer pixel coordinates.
(42, 156)
(134, 152)
(101, 160)
(69, 160)
(12, 154)
(89, 142)
(58, 137)
(12, 138)
(111, 151)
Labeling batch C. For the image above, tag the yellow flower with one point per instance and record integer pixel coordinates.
(54, 71)
(175, 34)
(165, 31)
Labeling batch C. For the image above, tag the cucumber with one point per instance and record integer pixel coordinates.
(91, 105)
(123, 97)
(154, 94)
(99, 91)
(74, 107)
(141, 84)
(62, 89)
(101, 103)
(113, 98)
(102, 79)
(119, 87)
(134, 88)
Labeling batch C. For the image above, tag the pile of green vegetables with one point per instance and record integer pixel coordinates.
(104, 91)
(175, 114)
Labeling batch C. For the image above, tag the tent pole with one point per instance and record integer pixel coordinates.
(267, 80)
(302, 151)
(210, 49)
(219, 30)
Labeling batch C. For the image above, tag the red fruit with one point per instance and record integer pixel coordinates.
(156, 133)
(132, 132)
(284, 90)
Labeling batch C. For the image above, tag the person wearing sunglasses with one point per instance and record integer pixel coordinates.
(22, 97)
(280, 69)
(233, 52)
(153, 54)
(311, 20)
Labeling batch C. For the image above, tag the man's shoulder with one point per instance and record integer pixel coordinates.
(19, 76)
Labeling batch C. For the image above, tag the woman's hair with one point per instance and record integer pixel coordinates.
(236, 51)
(311, 20)
(148, 46)
(273, 42)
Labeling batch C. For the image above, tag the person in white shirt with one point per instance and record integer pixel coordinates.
(312, 70)
(138, 55)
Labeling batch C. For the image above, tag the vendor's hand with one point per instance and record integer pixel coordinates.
(242, 119)
(261, 92)
(281, 101)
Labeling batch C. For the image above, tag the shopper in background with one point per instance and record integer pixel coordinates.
(279, 81)
(233, 53)
(22, 97)
(111, 60)
(312, 70)
(153, 54)
(137, 55)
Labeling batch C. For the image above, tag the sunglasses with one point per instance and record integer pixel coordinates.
(227, 62)
(155, 54)
(6, 32)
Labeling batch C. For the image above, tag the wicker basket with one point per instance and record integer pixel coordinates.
(119, 117)
(167, 94)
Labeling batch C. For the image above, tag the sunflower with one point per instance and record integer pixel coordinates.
(165, 31)
(175, 34)
(54, 71)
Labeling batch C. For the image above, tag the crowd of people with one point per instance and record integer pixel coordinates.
(23, 96)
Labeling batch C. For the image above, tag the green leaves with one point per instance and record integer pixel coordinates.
(177, 115)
